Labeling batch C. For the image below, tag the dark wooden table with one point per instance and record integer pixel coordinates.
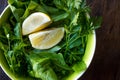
(106, 61)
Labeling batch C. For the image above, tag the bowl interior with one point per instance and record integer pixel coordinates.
(87, 58)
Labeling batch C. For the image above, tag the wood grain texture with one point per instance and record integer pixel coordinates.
(106, 61)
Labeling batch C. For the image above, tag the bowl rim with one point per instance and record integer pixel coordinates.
(4, 11)
(87, 59)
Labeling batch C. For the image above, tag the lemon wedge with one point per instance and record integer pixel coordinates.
(35, 22)
(47, 38)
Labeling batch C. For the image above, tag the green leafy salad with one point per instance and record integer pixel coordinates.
(54, 63)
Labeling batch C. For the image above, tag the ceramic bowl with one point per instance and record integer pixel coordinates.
(87, 58)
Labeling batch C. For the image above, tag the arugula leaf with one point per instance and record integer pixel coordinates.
(18, 31)
(32, 7)
(60, 17)
(17, 12)
(79, 66)
(41, 68)
(13, 48)
(77, 3)
(56, 62)
(42, 64)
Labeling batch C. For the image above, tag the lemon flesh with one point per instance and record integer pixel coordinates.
(35, 22)
(47, 38)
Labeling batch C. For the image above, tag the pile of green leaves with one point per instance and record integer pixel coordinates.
(54, 63)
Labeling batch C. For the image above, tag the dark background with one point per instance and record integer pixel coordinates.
(106, 62)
